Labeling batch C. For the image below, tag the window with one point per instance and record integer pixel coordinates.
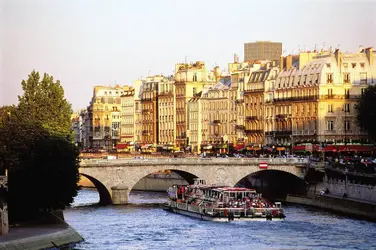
(328, 65)
(362, 65)
(330, 92)
(353, 65)
(345, 65)
(330, 108)
(363, 78)
(317, 78)
(194, 91)
(346, 77)
(347, 94)
(363, 91)
(347, 125)
(330, 125)
(195, 77)
(347, 107)
(329, 78)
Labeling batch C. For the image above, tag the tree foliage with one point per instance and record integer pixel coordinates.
(366, 112)
(42, 163)
(42, 168)
(43, 101)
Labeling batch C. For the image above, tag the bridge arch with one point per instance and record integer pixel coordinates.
(274, 183)
(132, 180)
(104, 194)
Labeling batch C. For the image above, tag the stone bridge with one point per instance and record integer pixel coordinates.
(114, 179)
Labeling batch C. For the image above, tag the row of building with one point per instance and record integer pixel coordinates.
(297, 100)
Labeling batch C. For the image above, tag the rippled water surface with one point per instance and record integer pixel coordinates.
(143, 224)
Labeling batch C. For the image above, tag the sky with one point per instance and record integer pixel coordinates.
(84, 43)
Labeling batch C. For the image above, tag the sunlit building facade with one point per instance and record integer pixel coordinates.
(105, 107)
(166, 119)
(127, 116)
(190, 79)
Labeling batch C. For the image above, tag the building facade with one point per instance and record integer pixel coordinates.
(127, 116)
(167, 117)
(105, 109)
(262, 50)
(190, 79)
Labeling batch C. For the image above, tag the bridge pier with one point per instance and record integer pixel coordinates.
(120, 194)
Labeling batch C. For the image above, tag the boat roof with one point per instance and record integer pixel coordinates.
(223, 188)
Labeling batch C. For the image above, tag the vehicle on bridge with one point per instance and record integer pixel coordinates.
(221, 203)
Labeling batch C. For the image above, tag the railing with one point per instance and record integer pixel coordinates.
(295, 99)
(251, 118)
(254, 131)
(194, 161)
(340, 97)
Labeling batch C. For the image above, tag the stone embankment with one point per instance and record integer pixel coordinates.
(352, 207)
(54, 234)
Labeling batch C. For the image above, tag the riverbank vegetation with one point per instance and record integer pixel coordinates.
(37, 150)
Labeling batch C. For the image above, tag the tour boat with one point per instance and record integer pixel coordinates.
(221, 203)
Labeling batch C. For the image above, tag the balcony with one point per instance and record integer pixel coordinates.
(303, 132)
(239, 101)
(297, 99)
(239, 127)
(251, 118)
(254, 90)
(145, 133)
(254, 131)
(282, 117)
(330, 132)
(340, 97)
(278, 133)
(215, 122)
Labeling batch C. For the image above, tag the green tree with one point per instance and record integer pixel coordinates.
(43, 101)
(5, 114)
(366, 112)
(42, 169)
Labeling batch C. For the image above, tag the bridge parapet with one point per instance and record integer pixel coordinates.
(196, 161)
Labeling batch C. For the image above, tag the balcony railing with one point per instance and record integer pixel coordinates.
(251, 118)
(330, 132)
(240, 127)
(279, 133)
(303, 132)
(297, 99)
(254, 131)
(340, 97)
(215, 122)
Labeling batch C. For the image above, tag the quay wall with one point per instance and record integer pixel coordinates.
(51, 233)
(337, 204)
(353, 190)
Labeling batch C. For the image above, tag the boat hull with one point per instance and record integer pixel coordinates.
(219, 219)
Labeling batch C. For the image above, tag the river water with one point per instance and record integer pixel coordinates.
(143, 224)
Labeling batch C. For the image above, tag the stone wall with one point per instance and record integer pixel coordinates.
(346, 206)
(356, 191)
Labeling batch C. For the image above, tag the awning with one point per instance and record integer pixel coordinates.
(239, 147)
(207, 147)
(147, 146)
(121, 146)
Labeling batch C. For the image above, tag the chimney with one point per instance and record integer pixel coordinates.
(236, 58)
(281, 64)
(369, 54)
(338, 57)
(288, 62)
